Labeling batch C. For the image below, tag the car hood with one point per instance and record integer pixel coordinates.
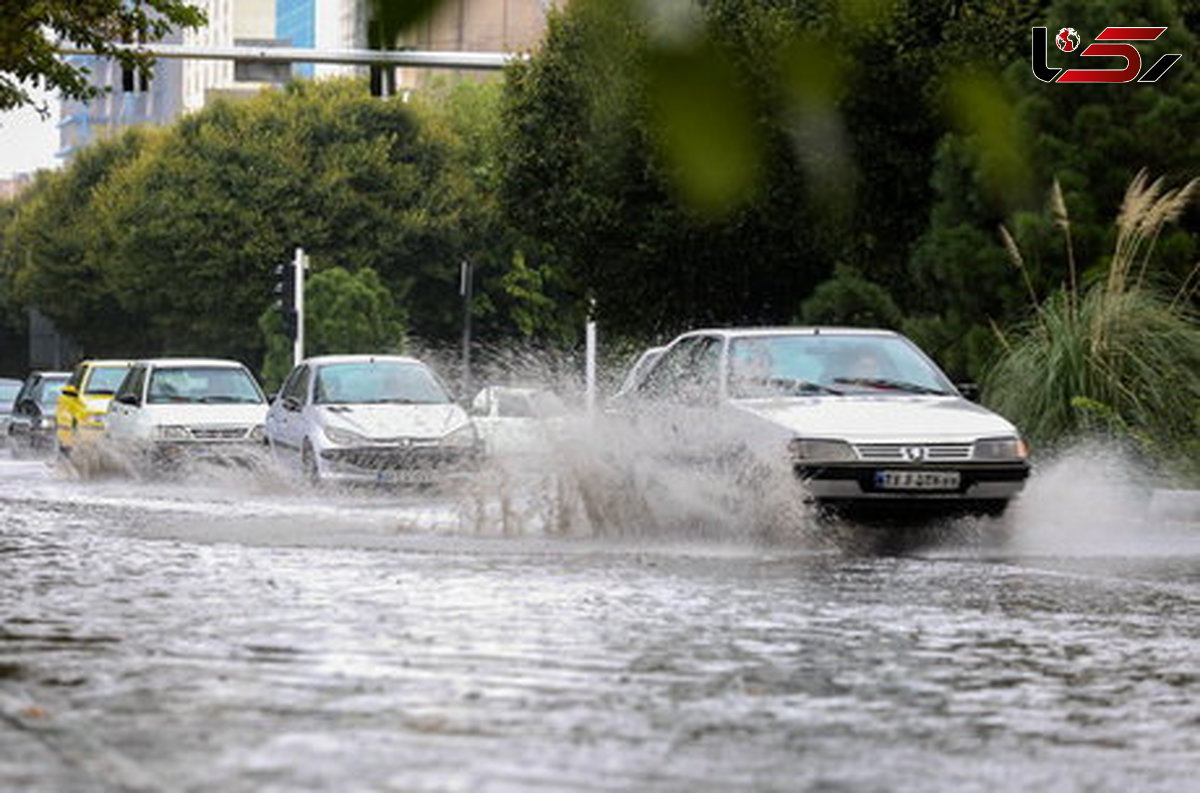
(394, 420)
(194, 415)
(869, 418)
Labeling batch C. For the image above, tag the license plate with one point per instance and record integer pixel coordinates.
(917, 480)
(407, 477)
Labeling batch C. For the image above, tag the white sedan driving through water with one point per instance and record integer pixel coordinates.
(370, 418)
(180, 409)
(864, 418)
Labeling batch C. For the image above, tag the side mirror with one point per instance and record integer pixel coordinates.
(27, 405)
(291, 403)
(70, 390)
(128, 399)
(970, 391)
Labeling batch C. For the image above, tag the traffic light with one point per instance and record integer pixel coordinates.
(285, 292)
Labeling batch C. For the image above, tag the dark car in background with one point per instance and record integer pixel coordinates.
(31, 425)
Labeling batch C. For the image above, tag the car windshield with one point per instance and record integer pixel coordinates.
(105, 379)
(49, 391)
(202, 384)
(377, 382)
(810, 363)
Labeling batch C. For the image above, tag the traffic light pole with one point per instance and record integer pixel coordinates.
(300, 262)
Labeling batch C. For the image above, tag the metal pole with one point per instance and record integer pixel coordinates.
(300, 262)
(409, 58)
(465, 288)
(590, 365)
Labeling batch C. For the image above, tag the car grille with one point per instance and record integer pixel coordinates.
(904, 452)
(219, 433)
(384, 458)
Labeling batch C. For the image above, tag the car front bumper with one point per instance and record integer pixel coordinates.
(237, 452)
(23, 433)
(978, 482)
(398, 464)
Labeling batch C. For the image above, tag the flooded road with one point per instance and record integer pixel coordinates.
(238, 635)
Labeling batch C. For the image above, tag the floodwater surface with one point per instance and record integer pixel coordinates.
(240, 634)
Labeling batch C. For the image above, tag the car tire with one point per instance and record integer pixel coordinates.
(308, 464)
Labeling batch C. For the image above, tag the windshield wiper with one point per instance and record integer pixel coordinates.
(228, 398)
(890, 385)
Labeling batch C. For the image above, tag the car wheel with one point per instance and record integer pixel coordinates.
(308, 463)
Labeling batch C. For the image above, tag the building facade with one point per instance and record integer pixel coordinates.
(476, 26)
(123, 103)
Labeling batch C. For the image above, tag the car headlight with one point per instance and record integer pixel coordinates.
(810, 450)
(258, 433)
(170, 432)
(343, 437)
(1001, 449)
(461, 438)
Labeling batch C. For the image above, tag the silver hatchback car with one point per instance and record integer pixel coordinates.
(370, 418)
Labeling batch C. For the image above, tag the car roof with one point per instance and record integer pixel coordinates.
(10, 380)
(364, 358)
(793, 330)
(46, 373)
(208, 362)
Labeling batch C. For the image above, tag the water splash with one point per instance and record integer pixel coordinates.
(1092, 498)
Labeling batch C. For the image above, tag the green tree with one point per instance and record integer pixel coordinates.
(49, 253)
(345, 313)
(30, 32)
(713, 166)
(191, 231)
(850, 299)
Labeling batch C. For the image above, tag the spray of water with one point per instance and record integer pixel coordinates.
(1092, 498)
(599, 475)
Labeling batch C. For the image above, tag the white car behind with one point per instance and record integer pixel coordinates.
(517, 422)
(370, 418)
(179, 409)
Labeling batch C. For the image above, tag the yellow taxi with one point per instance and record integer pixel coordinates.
(79, 417)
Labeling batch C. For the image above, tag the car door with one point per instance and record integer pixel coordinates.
(285, 425)
(24, 411)
(125, 409)
(678, 399)
(67, 412)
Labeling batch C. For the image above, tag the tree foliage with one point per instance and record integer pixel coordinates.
(346, 313)
(1014, 137)
(712, 167)
(1119, 356)
(31, 31)
(167, 241)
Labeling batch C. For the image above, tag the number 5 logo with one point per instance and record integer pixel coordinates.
(1133, 58)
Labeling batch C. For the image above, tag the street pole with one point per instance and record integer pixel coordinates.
(465, 288)
(300, 262)
(590, 360)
